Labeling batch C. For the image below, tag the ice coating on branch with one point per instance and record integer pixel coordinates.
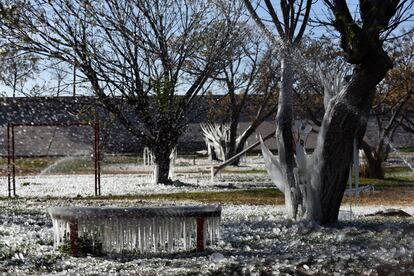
(151, 230)
(303, 160)
(216, 135)
(333, 83)
(272, 166)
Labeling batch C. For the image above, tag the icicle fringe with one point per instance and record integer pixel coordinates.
(139, 235)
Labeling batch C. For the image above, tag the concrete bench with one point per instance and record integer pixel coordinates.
(140, 230)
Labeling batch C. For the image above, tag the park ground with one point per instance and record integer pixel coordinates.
(256, 238)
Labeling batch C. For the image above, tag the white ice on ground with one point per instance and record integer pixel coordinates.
(130, 179)
(357, 246)
(124, 184)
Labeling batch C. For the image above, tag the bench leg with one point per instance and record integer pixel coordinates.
(200, 234)
(73, 237)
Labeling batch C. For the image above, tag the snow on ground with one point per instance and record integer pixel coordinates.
(255, 239)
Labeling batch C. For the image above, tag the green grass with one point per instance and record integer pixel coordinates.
(253, 196)
(393, 170)
(406, 150)
(81, 164)
(388, 182)
(230, 170)
(121, 159)
(394, 177)
(30, 163)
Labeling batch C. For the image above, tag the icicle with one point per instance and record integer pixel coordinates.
(118, 234)
(205, 234)
(170, 235)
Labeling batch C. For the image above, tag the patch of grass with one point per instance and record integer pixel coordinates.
(252, 196)
(121, 159)
(244, 171)
(409, 149)
(76, 165)
(28, 165)
(388, 182)
(392, 170)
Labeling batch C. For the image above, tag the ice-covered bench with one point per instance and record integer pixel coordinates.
(150, 229)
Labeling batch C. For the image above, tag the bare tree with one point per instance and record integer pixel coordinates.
(60, 84)
(136, 56)
(17, 69)
(393, 103)
(251, 88)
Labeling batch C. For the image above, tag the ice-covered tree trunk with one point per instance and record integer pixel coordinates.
(284, 135)
(347, 113)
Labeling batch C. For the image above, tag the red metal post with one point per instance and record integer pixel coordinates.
(200, 234)
(98, 151)
(95, 157)
(73, 237)
(8, 160)
(13, 160)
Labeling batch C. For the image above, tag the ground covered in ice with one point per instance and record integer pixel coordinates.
(132, 179)
(254, 240)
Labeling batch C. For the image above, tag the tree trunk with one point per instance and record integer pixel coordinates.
(231, 144)
(14, 84)
(284, 135)
(240, 146)
(375, 168)
(162, 149)
(162, 167)
(345, 115)
(212, 154)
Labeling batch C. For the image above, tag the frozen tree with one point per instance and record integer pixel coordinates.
(216, 137)
(290, 26)
(149, 58)
(314, 186)
(345, 119)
